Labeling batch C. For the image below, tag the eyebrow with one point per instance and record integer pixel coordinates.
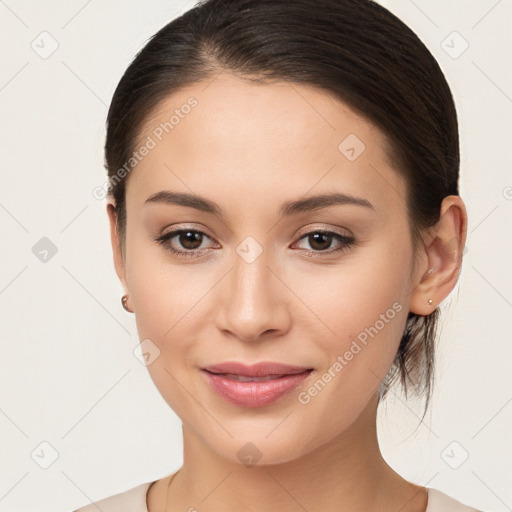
(287, 209)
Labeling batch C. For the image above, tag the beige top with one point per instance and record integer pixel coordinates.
(134, 500)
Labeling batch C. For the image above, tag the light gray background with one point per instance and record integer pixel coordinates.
(69, 377)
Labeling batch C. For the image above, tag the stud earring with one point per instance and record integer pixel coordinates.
(124, 300)
(430, 301)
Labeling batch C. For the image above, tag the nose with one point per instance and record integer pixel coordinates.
(253, 301)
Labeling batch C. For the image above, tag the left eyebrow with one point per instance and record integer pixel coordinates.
(287, 209)
(317, 202)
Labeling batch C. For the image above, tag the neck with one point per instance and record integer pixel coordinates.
(347, 473)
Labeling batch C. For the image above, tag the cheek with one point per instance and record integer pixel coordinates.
(365, 286)
(168, 300)
(161, 292)
(356, 362)
(365, 307)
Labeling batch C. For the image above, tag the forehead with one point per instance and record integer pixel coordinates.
(274, 139)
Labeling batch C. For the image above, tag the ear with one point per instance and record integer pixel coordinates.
(116, 242)
(443, 254)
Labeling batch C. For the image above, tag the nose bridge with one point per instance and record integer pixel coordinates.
(253, 302)
(251, 279)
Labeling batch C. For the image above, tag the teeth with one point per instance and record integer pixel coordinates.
(243, 378)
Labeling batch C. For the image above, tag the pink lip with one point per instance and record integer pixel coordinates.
(255, 393)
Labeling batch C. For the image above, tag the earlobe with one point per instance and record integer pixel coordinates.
(440, 273)
(116, 242)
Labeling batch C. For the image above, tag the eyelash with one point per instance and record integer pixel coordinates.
(347, 241)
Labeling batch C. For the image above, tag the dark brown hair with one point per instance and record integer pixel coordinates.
(354, 49)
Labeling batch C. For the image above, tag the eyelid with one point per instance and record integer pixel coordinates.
(325, 229)
(346, 243)
(175, 231)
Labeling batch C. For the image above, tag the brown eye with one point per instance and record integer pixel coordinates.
(190, 239)
(320, 241)
(184, 242)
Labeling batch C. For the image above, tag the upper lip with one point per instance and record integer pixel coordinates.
(255, 370)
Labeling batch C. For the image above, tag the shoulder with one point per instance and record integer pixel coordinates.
(132, 500)
(440, 502)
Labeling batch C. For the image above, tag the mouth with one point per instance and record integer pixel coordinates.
(256, 385)
(245, 378)
(261, 369)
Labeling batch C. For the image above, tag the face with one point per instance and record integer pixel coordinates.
(260, 278)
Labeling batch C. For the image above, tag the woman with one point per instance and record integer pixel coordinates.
(285, 219)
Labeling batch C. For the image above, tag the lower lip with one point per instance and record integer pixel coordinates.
(255, 394)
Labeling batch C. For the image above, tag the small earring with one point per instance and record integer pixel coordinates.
(430, 301)
(124, 300)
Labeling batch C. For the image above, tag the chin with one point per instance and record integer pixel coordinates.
(279, 439)
(253, 450)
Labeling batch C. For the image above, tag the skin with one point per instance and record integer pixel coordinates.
(249, 148)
